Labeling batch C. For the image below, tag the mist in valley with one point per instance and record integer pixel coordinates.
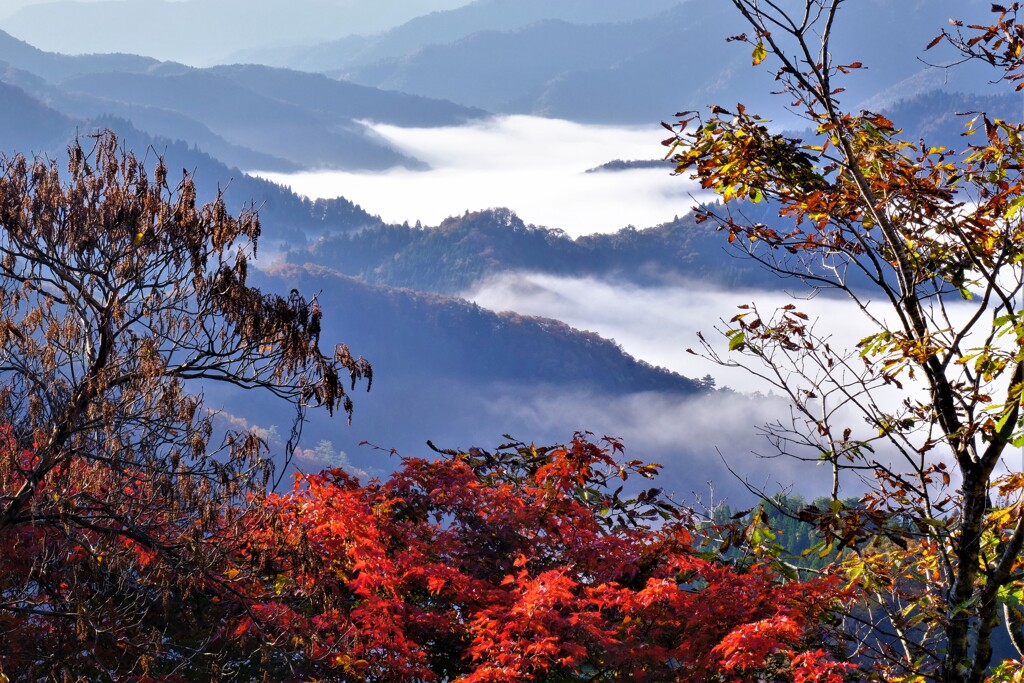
(535, 166)
(538, 167)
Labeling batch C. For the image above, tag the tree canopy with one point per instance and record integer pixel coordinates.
(524, 563)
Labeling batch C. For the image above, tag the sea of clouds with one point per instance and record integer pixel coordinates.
(537, 168)
(534, 166)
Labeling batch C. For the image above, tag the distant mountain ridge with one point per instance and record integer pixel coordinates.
(528, 68)
(54, 67)
(29, 126)
(443, 367)
(420, 334)
(246, 117)
(253, 117)
(448, 26)
(634, 66)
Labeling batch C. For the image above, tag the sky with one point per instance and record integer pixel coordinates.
(9, 7)
(215, 31)
(532, 165)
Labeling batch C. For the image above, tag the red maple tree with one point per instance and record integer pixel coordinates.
(521, 564)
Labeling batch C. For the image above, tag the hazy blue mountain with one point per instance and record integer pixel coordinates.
(421, 335)
(331, 98)
(449, 26)
(647, 68)
(248, 116)
(443, 369)
(29, 126)
(157, 121)
(334, 99)
(165, 123)
(513, 71)
(54, 67)
(287, 218)
(202, 32)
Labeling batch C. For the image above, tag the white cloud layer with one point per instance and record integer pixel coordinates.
(534, 166)
(710, 445)
(659, 324)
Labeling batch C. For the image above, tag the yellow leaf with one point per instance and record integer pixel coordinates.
(759, 53)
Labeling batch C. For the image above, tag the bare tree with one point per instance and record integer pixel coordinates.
(118, 294)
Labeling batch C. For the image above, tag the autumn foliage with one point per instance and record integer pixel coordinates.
(102, 599)
(522, 564)
(120, 498)
(926, 241)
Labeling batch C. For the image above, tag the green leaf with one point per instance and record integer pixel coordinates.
(736, 341)
(1015, 206)
(1001, 425)
(814, 548)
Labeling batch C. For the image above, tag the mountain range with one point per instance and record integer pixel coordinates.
(586, 60)
(446, 369)
(449, 26)
(464, 251)
(249, 116)
(615, 62)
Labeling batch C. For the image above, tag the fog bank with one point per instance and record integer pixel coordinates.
(533, 165)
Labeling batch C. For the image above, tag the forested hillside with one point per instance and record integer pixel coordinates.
(420, 336)
(462, 251)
